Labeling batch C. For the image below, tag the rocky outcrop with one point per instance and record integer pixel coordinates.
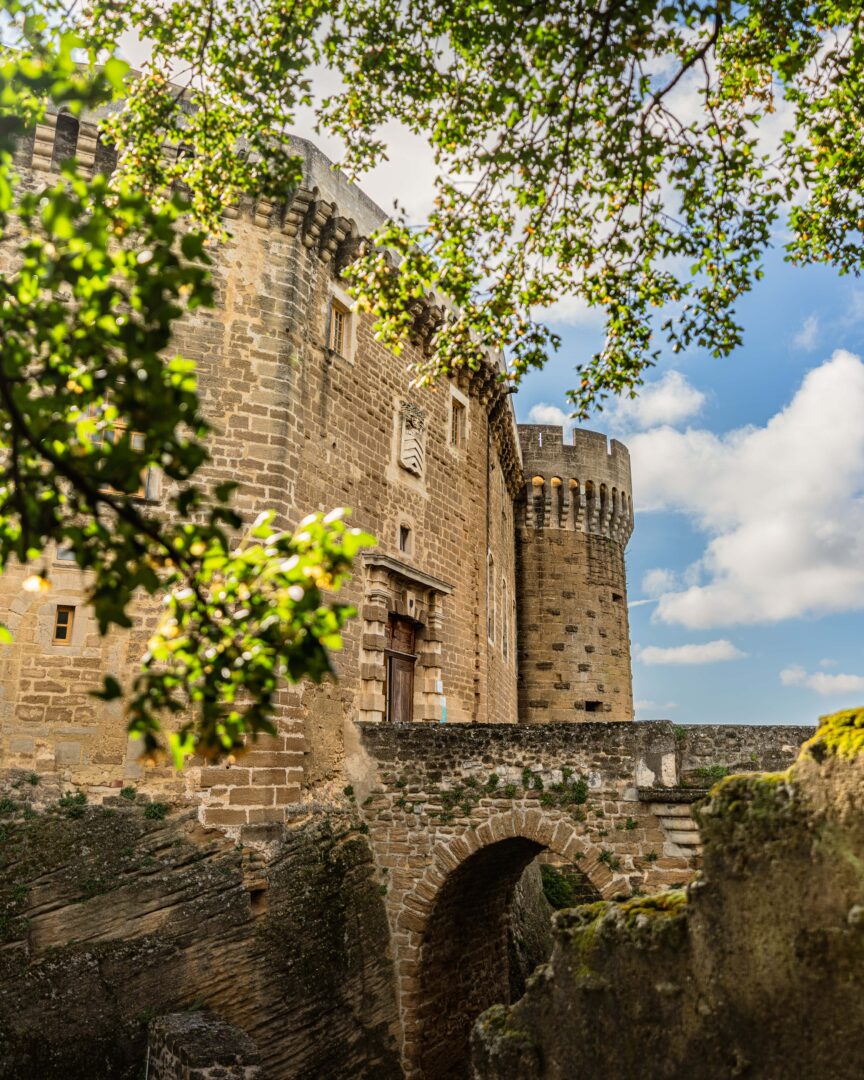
(109, 918)
(756, 971)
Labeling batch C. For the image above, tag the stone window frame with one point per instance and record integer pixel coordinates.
(393, 587)
(339, 300)
(67, 625)
(457, 398)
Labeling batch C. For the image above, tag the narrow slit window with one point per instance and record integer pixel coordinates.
(64, 617)
(457, 423)
(338, 328)
(490, 597)
(404, 538)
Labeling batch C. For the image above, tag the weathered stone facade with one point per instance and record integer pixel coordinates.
(302, 427)
(574, 646)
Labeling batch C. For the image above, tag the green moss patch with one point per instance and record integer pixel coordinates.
(838, 735)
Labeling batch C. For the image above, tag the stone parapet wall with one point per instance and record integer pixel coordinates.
(200, 1046)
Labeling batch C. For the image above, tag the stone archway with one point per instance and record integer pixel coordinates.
(451, 939)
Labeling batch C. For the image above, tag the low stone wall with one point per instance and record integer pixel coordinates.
(737, 747)
(200, 1046)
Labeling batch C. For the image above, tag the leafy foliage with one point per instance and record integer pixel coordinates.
(636, 157)
(90, 406)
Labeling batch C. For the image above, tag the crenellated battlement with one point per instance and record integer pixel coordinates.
(583, 486)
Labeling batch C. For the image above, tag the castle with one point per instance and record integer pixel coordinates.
(497, 590)
(355, 890)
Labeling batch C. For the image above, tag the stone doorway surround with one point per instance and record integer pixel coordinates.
(392, 587)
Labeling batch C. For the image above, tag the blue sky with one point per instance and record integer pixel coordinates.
(759, 457)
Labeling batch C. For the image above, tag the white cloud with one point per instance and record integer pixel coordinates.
(542, 413)
(667, 400)
(709, 652)
(827, 662)
(822, 682)
(645, 707)
(783, 506)
(571, 311)
(807, 335)
(657, 582)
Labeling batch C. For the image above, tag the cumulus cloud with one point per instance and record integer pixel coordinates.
(822, 682)
(542, 413)
(709, 652)
(782, 506)
(806, 337)
(657, 582)
(653, 709)
(667, 400)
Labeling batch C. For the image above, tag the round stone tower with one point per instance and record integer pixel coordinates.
(575, 521)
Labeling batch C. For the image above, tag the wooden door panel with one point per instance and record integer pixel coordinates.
(400, 690)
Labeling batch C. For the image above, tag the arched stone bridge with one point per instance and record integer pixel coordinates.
(456, 813)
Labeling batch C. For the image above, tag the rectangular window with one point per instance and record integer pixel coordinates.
(457, 423)
(137, 442)
(64, 617)
(404, 538)
(338, 327)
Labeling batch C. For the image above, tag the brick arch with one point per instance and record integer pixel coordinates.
(451, 933)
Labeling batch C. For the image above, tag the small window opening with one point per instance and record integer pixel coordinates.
(106, 158)
(65, 554)
(338, 328)
(457, 423)
(64, 617)
(617, 597)
(258, 900)
(65, 140)
(404, 538)
(593, 706)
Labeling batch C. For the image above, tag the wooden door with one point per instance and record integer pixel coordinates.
(400, 670)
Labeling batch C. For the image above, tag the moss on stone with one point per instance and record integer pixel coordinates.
(840, 735)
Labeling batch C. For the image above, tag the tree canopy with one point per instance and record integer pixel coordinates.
(638, 157)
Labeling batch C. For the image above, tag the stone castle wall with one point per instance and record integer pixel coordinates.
(301, 429)
(576, 518)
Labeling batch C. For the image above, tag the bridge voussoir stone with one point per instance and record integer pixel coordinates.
(485, 833)
(560, 837)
